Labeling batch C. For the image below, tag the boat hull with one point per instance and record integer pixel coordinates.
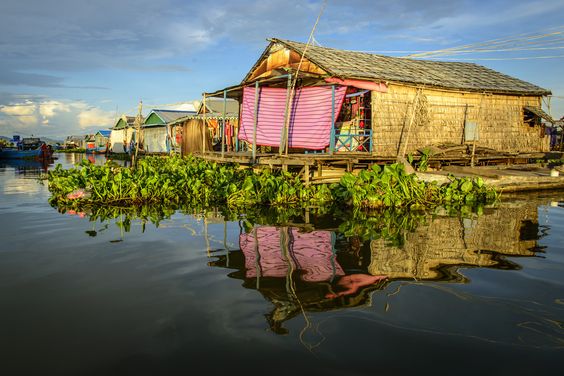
(36, 154)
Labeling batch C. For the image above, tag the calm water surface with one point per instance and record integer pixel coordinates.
(193, 293)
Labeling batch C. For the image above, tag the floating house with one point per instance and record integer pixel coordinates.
(98, 143)
(74, 142)
(121, 134)
(212, 128)
(157, 135)
(347, 102)
(102, 139)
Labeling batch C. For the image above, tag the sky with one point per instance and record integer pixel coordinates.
(71, 67)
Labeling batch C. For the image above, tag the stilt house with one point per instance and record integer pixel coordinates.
(122, 133)
(355, 102)
(157, 132)
(204, 131)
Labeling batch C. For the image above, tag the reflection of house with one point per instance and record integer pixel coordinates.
(121, 134)
(297, 271)
(448, 241)
(281, 251)
(157, 133)
(189, 131)
(354, 101)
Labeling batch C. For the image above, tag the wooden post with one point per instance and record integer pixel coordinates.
(255, 122)
(476, 133)
(411, 120)
(223, 127)
(137, 132)
(285, 128)
(332, 134)
(204, 130)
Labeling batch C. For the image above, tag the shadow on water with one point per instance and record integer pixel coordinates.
(305, 261)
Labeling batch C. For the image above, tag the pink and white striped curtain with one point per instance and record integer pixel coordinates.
(310, 121)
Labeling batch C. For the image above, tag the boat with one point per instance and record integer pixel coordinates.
(27, 148)
(91, 148)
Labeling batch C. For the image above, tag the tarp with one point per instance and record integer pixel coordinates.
(361, 84)
(191, 137)
(117, 139)
(310, 121)
(154, 139)
(284, 249)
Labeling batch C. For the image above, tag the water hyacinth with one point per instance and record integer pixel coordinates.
(198, 183)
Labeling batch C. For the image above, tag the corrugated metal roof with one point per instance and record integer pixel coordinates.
(105, 133)
(168, 116)
(449, 75)
(214, 107)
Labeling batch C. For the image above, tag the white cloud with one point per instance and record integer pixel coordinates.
(95, 117)
(52, 117)
(22, 113)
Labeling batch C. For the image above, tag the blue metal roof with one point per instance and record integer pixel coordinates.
(105, 133)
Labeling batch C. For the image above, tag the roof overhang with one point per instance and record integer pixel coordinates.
(540, 113)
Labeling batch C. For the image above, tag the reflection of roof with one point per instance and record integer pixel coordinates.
(451, 75)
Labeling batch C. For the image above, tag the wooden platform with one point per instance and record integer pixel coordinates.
(508, 173)
(516, 178)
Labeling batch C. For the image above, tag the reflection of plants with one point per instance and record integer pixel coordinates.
(390, 224)
(123, 216)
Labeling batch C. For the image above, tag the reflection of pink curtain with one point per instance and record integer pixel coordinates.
(310, 123)
(310, 252)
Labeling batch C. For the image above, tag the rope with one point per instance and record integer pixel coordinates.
(499, 44)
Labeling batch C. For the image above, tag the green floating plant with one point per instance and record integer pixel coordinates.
(198, 183)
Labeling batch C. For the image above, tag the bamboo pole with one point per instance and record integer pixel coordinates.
(476, 133)
(255, 122)
(293, 87)
(411, 120)
(223, 127)
(138, 131)
(287, 114)
(204, 130)
(332, 134)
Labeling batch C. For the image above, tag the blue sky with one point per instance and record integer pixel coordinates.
(69, 66)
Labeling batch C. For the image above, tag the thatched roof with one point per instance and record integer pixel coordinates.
(448, 75)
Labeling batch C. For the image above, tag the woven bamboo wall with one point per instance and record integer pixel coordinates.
(454, 241)
(439, 119)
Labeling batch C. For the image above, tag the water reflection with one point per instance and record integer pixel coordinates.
(300, 270)
(27, 167)
(323, 263)
(69, 160)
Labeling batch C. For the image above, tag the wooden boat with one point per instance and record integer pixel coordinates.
(28, 148)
